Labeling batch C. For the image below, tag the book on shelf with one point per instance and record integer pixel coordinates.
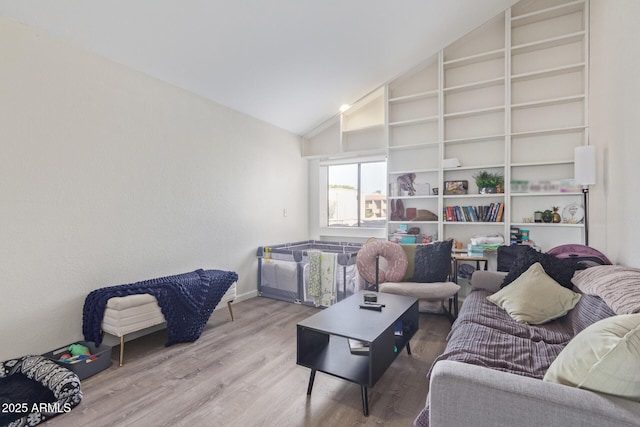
(449, 213)
(490, 210)
(465, 212)
(472, 214)
(490, 213)
(485, 212)
(398, 331)
(500, 212)
(358, 347)
(496, 213)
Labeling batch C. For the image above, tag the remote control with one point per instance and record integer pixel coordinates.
(375, 307)
(374, 303)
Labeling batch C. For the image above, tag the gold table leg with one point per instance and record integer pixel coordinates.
(121, 349)
(230, 310)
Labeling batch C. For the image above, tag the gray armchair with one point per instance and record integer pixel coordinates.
(420, 271)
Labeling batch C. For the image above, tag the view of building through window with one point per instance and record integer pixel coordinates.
(357, 195)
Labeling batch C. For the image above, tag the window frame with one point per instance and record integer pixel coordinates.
(323, 199)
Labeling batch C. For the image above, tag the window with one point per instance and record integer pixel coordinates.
(356, 195)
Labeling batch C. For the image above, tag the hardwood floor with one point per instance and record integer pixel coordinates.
(244, 373)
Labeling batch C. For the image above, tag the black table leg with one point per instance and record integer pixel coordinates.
(455, 270)
(312, 377)
(455, 303)
(408, 348)
(365, 402)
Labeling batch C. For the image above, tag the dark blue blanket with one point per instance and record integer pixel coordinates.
(186, 300)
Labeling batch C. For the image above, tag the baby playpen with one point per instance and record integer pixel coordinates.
(309, 272)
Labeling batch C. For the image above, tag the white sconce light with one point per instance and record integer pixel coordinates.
(584, 167)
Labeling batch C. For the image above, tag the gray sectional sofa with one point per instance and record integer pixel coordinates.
(491, 372)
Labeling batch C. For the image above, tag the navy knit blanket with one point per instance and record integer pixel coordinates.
(186, 300)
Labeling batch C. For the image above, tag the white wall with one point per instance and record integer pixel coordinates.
(108, 176)
(614, 115)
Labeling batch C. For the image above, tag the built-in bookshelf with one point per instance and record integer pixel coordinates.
(510, 97)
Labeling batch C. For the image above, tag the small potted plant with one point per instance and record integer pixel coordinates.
(488, 182)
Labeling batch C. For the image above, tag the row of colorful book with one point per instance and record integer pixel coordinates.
(487, 213)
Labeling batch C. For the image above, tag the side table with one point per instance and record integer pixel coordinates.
(461, 257)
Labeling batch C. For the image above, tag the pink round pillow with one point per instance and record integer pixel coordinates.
(394, 255)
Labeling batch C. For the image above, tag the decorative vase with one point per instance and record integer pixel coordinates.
(547, 216)
(488, 190)
(556, 216)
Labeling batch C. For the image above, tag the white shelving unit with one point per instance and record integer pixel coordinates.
(474, 132)
(362, 125)
(414, 116)
(509, 97)
(549, 109)
(323, 141)
(512, 99)
(358, 131)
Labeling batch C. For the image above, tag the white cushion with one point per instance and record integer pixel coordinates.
(435, 291)
(535, 298)
(124, 315)
(604, 357)
(121, 303)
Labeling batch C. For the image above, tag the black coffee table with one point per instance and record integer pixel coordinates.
(323, 339)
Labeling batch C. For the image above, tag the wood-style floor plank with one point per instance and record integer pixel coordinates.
(244, 373)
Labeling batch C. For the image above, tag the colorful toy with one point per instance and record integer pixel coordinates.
(79, 350)
(79, 353)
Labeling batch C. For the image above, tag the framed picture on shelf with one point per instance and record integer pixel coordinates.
(456, 187)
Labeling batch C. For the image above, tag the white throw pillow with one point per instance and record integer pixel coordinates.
(604, 357)
(535, 298)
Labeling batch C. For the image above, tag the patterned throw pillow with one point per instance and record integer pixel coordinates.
(433, 262)
(560, 270)
(617, 285)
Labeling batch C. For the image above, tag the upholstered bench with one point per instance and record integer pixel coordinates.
(134, 313)
(183, 303)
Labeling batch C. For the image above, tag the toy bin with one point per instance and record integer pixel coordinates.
(283, 270)
(84, 369)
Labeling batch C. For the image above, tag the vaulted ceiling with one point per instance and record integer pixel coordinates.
(291, 63)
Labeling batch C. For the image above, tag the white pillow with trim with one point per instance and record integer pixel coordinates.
(604, 357)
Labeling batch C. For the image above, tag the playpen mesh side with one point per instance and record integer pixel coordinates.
(283, 270)
(279, 279)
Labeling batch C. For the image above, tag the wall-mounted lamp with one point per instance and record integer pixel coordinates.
(584, 167)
